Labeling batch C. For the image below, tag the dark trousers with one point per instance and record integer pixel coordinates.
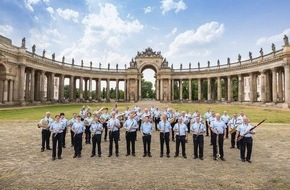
(246, 143)
(220, 143)
(57, 139)
(72, 137)
(63, 137)
(164, 137)
(207, 128)
(211, 137)
(227, 131)
(146, 144)
(198, 142)
(78, 143)
(233, 136)
(157, 120)
(188, 127)
(114, 136)
(45, 135)
(88, 134)
(180, 139)
(106, 130)
(130, 138)
(96, 140)
(172, 125)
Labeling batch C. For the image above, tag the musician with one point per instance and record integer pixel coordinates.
(104, 118)
(247, 141)
(198, 130)
(78, 128)
(114, 125)
(146, 129)
(171, 119)
(188, 119)
(157, 114)
(131, 126)
(65, 125)
(87, 122)
(164, 127)
(226, 118)
(181, 136)
(211, 119)
(195, 114)
(206, 116)
(218, 129)
(136, 108)
(241, 117)
(145, 114)
(152, 110)
(83, 113)
(45, 132)
(96, 130)
(127, 113)
(71, 122)
(234, 123)
(57, 128)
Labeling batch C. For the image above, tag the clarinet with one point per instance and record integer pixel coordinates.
(198, 131)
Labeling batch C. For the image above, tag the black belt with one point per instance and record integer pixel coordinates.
(146, 134)
(181, 135)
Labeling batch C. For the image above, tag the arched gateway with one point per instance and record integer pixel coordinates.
(30, 78)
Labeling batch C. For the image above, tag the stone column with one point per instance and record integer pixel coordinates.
(90, 88)
(81, 88)
(71, 88)
(241, 88)
(268, 87)
(180, 90)
(10, 97)
(5, 93)
(86, 89)
(172, 91)
(61, 88)
(274, 85)
(287, 84)
(208, 89)
(230, 89)
(52, 86)
(136, 90)
(108, 91)
(199, 90)
(157, 89)
(263, 87)
(21, 83)
(99, 89)
(32, 85)
(169, 90)
(140, 88)
(280, 89)
(37, 86)
(251, 87)
(125, 90)
(117, 89)
(219, 89)
(42, 90)
(161, 90)
(1, 90)
(27, 87)
(189, 90)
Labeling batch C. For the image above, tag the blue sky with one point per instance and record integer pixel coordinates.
(112, 31)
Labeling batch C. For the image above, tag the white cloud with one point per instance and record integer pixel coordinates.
(168, 5)
(6, 29)
(68, 14)
(174, 30)
(188, 41)
(50, 10)
(148, 10)
(30, 3)
(277, 38)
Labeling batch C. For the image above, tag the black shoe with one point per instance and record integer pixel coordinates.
(232, 147)
(75, 156)
(117, 154)
(249, 161)
(201, 158)
(161, 155)
(59, 157)
(149, 154)
(105, 140)
(184, 156)
(42, 150)
(109, 155)
(127, 154)
(79, 156)
(53, 158)
(210, 144)
(173, 140)
(92, 155)
(99, 155)
(214, 158)
(168, 156)
(195, 157)
(175, 155)
(72, 146)
(48, 148)
(64, 146)
(243, 160)
(222, 159)
(144, 155)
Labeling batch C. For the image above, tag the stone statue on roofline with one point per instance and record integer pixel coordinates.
(82, 63)
(218, 63)
(63, 59)
(228, 61)
(53, 56)
(198, 65)
(23, 43)
(286, 42)
(250, 56)
(91, 64)
(273, 48)
(117, 66)
(100, 66)
(73, 61)
(33, 48)
(180, 66)
(108, 66)
(261, 52)
(239, 58)
(208, 64)
(43, 53)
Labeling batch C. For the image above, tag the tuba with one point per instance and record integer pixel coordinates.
(43, 123)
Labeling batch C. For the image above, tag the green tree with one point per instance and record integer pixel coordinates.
(112, 93)
(147, 89)
(66, 91)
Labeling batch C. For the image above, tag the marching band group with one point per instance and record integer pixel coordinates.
(170, 123)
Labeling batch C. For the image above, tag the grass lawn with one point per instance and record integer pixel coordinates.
(256, 114)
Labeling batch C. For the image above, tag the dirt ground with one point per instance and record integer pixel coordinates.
(23, 166)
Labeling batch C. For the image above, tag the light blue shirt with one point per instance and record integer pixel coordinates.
(96, 128)
(245, 128)
(83, 113)
(88, 120)
(157, 113)
(71, 121)
(64, 122)
(105, 116)
(78, 126)
(207, 115)
(233, 122)
(225, 118)
(49, 122)
(146, 127)
(57, 127)
(113, 124)
(211, 119)
(164, 127)
(180, 129)
(197, 127)
(131, 125)
(219, 126)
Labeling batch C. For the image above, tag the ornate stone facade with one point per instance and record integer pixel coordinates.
(23, 76)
